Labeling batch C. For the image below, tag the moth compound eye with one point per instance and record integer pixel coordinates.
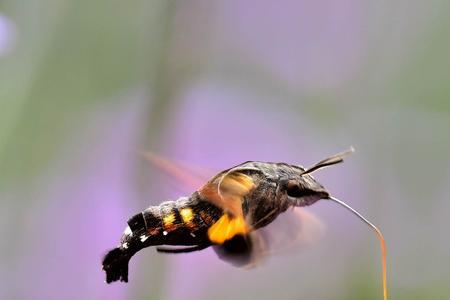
(293, 189)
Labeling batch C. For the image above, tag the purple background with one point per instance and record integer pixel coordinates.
(85, 86)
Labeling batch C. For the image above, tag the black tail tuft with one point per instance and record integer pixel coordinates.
(115, 264)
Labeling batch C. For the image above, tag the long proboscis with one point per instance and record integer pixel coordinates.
(379, 235)
(329, 161)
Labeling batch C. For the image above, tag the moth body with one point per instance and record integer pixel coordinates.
(223, 213)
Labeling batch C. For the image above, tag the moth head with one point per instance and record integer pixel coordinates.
(302, 189)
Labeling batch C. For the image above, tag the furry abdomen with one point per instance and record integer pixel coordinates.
(182, 222)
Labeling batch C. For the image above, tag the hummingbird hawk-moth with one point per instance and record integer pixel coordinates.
(225, 213)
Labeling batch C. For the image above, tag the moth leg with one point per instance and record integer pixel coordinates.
(174, 250)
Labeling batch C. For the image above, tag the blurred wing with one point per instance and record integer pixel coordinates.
(227, 191)
(242, 250)
(192, 177)
(293, 230)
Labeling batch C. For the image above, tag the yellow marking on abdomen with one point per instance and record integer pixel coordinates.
(226, 228)
(186, 215)
(168, 222)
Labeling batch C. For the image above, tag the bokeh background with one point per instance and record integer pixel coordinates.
(86, 85)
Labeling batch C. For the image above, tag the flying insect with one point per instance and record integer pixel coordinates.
(225, 213)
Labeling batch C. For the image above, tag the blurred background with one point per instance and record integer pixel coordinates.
(86, 85)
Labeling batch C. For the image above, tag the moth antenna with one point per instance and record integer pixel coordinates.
(379, 235)
(332, 160)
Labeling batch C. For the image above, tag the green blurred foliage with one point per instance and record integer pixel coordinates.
(70, 56)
